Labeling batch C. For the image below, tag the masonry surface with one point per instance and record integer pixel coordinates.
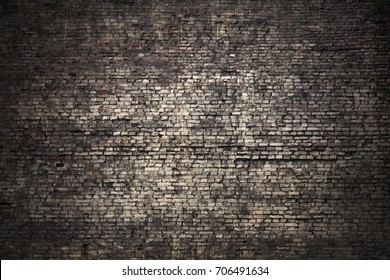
(194, 129)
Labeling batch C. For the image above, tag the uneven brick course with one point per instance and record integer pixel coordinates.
(251, 129)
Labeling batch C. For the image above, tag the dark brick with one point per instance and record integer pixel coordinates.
(194, 129)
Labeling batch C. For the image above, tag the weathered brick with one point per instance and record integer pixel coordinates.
(212, 129)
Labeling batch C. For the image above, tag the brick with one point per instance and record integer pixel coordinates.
(262, 124)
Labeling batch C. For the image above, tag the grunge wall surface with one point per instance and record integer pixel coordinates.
(194, 129)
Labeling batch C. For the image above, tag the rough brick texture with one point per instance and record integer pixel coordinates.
(195, 129)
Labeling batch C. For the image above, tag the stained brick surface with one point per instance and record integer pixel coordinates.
(194, 129)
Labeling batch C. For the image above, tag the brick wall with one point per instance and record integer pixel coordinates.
(194, 129)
